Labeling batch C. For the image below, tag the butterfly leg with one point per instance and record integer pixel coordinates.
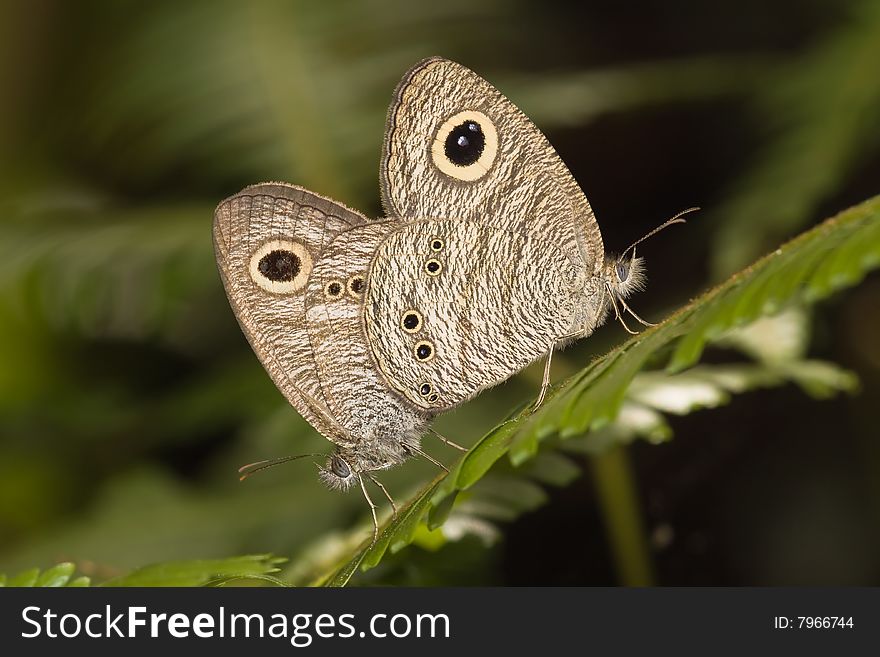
(415, 450)
(619, 317)
(545, 383)
(372, 509)
(385, 491)
(633, 313)
(446, 440)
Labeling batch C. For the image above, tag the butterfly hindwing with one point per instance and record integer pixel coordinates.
(444, 322)
(354, 390)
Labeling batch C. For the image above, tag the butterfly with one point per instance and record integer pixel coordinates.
(489, 259)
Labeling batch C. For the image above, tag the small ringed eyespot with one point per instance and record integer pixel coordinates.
(425, 389)
(433, 398)
(333, 289)
(424, 351)
(411, 321)
(355, 285)
(437, 244)
(433, 267)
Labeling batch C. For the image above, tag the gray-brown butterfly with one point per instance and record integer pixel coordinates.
(491, 259)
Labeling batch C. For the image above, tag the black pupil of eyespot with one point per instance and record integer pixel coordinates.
(411, 321)
(423, 352)
(623, 270)
(279, 265)
(465, 143)
(357, 285)
(425, 389)
(334, 289)
(340, 468)
(437, 245)
(433, 266)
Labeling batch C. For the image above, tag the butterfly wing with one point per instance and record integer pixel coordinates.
(444, 322)
(378, 419)
(268, 239)
(295, 268)
(456, 147)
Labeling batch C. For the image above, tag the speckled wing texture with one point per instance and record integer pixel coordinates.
(482, 319)
(352, 387)
(275, 323)
(528, 190)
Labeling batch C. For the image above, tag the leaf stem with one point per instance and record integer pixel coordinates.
(619, 505)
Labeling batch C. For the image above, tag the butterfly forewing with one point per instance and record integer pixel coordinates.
(268, 239)
(456, 147)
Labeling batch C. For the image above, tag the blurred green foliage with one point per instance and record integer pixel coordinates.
(128, 396)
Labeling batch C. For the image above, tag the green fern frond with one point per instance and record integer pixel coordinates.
(833, 255)
(205, 572)
(57, 576)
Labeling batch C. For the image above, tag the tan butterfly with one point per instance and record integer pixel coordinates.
(491, 260)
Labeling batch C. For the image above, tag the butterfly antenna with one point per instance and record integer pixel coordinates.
(372, 508)
(677, 219)
(252, 468)
(426, 456)
(446, 440)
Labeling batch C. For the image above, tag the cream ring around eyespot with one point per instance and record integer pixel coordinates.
(334, 288)
(412, 321)
(355, 285)
(470, 172)
(300, 262)
(433, 267)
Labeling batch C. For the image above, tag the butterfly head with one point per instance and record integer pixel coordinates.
(345, 466)
(338, 474)
(624, 275)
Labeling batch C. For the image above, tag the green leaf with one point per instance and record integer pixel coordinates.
(200, 572)
(56, 576)
(833, 255)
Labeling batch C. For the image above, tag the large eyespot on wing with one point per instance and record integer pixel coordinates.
(281, 266)
(465, 146)
(267, 239)
(456, 147)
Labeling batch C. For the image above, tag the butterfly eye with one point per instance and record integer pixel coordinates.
(622, 269)
(339, 468)
(333, 289)
(411, 322)
(280, 266)
(424, 351)
(465, 146)
(433, 267)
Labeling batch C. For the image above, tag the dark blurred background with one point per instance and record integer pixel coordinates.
(128, 396)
